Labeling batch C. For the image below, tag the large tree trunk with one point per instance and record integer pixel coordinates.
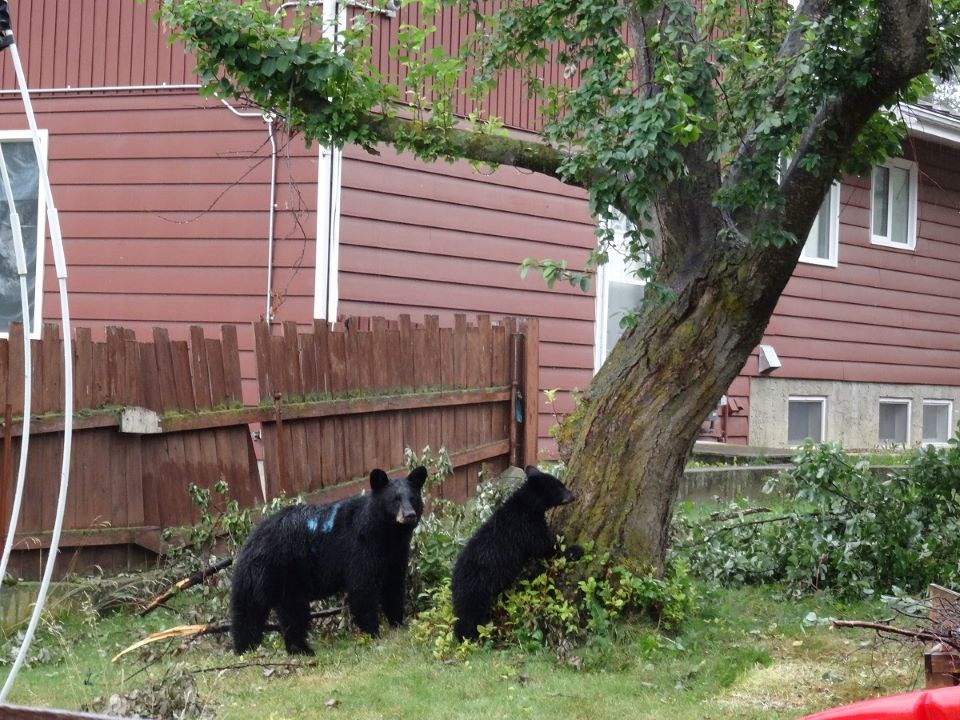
(634, 431)
(640, 416)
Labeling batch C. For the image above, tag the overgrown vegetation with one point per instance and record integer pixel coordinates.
(560, 605)
(595, 637)
(746, 654)
(570, 608)
(841, 525)
(221, 524)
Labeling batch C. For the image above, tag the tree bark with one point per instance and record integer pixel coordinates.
(641, 415)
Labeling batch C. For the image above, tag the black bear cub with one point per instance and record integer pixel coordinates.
(495, 556)
(308, 552)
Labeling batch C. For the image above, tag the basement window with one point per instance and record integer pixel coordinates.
(894, 422)
(806, 418)
(937, 421)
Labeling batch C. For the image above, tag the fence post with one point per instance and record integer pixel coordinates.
(531, 391)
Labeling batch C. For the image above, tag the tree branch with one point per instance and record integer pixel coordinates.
(901, 52)
(467, 144)
(917, 635)
(684, 208)
(639, 25)
(188, 582)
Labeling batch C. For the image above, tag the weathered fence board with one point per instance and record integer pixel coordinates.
(385, 386)
(119, 480)
(336, 401)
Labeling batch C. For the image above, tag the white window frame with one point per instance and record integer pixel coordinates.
(326, 290)
(614, 270)
(885, 240)
(833, 252)
(949, 405)
(26, 136)
(896, 401)
(823, 414)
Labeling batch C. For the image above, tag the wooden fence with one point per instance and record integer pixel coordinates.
(355, 396)
(336, 400)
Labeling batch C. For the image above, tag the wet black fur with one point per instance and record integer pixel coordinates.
(308, 552)
(516, 534)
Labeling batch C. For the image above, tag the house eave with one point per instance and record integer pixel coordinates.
(931, 125)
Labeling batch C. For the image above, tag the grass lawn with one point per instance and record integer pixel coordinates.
(748, 653)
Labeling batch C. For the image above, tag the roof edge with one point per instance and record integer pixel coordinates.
(931, 124)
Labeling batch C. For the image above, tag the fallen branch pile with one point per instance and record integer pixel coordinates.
(935, 620)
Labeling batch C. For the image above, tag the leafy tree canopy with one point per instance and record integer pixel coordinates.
(643, 82)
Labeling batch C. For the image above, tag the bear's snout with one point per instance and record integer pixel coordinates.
(569, 497)
(407, 517)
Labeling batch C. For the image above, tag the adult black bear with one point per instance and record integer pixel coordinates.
(308, 552)
(514, 535)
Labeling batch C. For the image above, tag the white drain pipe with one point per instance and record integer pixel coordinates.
(60, 263)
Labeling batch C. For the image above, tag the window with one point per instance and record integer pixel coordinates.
(805, 419)
(894, 422)
(937, 421)
(893, 205)
(619, 291)
(822, 242)
(21, 161)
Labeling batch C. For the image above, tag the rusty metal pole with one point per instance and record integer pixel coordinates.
(7, 464)
(281, 463)
(514, 372)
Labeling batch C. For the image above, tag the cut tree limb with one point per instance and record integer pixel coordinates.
(918, 635)
(188, 582)
(213, 628)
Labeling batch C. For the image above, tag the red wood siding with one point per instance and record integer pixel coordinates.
(93, 43)
(508, 102)
(884, 314)
(163, 203)
(111, 43)
(446, 238)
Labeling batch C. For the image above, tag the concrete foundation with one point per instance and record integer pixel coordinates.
(852, 409)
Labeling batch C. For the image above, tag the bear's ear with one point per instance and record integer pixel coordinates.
(417, 477)
(531, 470)
(378, 480)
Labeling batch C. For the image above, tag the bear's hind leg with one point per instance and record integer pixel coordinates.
(247, 622)
(471, 607)
(294, 617)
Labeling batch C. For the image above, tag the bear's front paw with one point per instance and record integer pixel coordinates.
(300, 649)
(574, 552)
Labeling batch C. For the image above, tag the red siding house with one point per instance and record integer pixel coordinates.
(179, 210)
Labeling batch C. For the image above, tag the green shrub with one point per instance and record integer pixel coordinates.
(446, 526)
(222, 524)
(843, 527)
(566, 605)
